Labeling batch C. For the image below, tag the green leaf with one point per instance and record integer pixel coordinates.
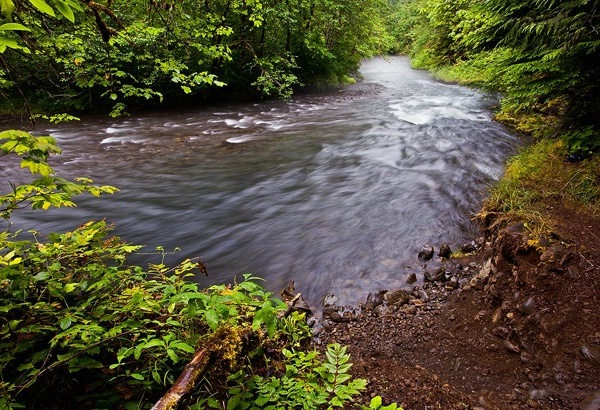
(172, 355)
(70, 287)
(212, 318)
(137, 376)
(42, 6)
(375, 402)
(65, 323)
(13, 27)
(153, 343)
(65, 10)
(183, 346)
(10, 43)
(7, 7)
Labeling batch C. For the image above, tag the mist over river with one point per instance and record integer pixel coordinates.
(336, 191)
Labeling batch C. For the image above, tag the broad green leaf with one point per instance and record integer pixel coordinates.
(212, 318)
(7, 7)
(153, 343)
(42, 6)
(14, 27)
(70, 287)
(65, 323)
(65, 10)
(10, 43)
(184, 346)
(137, 376)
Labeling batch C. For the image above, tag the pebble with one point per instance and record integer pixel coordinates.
(591, 402)
(592, 354)
(528, 307)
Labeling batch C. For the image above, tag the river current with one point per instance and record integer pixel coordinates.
(335, 191)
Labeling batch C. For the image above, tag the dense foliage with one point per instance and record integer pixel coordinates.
(542, 55)
(85, 54)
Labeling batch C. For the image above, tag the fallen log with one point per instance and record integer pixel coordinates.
(185, 382)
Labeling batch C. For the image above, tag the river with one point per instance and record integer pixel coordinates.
(336, 191)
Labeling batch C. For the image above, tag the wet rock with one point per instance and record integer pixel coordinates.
(591, 402)
(467, 247)
(445, 251)
(330, 300)
(397, 297)
(426, 252)
(528, 307)
(328, 311)
(592, 354)
(412, 278)
(438, 275)
(337, 317)
(373, 300)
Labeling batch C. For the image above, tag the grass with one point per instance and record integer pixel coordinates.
(538, 176)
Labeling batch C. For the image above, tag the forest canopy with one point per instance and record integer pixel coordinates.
(543, 56)
(87, 55)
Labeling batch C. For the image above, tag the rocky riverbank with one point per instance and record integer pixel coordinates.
(514, 325)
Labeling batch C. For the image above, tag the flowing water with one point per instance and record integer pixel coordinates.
(336, 191)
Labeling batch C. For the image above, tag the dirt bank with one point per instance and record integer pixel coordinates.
(517, 327)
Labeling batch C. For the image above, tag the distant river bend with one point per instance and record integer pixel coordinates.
(336, 191)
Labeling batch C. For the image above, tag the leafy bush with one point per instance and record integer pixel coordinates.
(307, 383)
(76, 316)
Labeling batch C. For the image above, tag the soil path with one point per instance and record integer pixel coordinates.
(520, 330)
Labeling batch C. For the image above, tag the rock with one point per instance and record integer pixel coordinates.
(479, 280)
(553, 253)
(412, 278)
(438, 275)
(543, 241)
(452, 283)
(330, 300)
(501, 332)
(591, 402)
(426, 252)
(397, 297)
(445, 250)
(518, 228)
(467, 248)
(328, 311)
(420, 294)
(538, 394)
(528, 307)
(373, 300)
(511, 347)
(592, 354)
(338, 318)
(382, 310)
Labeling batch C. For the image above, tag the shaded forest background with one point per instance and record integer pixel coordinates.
(69, 56)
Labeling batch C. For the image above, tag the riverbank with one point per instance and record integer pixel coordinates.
(517, 326)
